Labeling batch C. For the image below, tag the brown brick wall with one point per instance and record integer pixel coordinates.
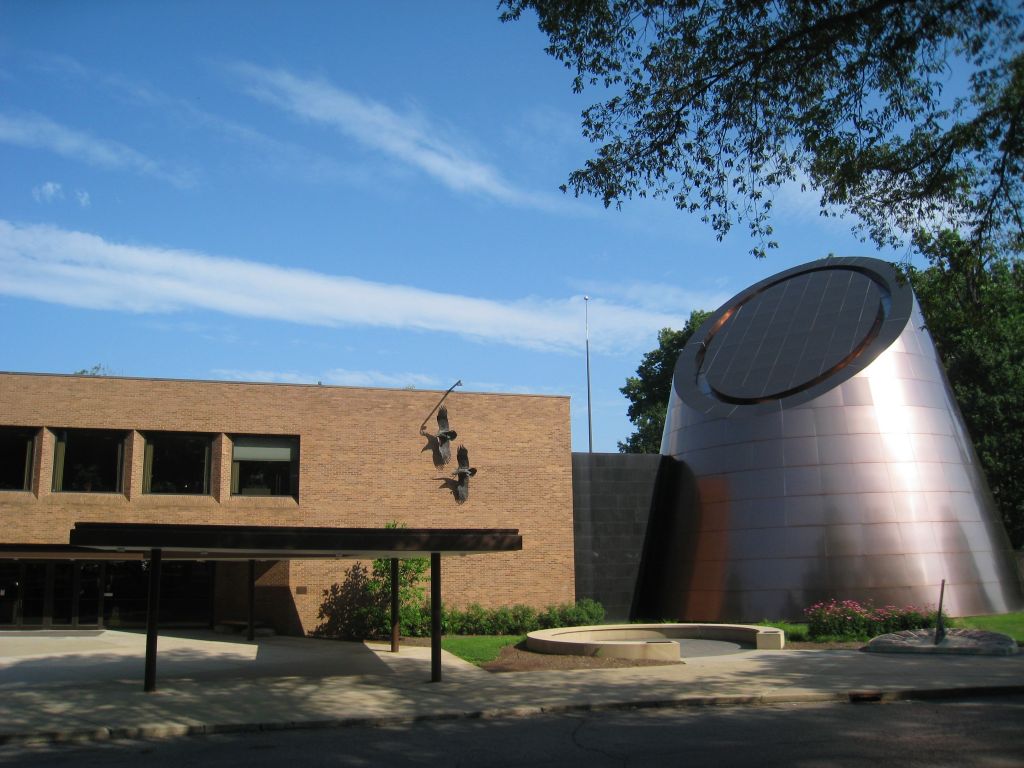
(362, 464)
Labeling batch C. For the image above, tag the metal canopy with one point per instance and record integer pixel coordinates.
(252, 542)
(233, 542)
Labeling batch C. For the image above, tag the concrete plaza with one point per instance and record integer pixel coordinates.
(88, 685)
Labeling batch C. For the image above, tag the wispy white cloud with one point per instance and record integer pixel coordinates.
(83, 198)
(410, 138)
(284, 158)
(47, 192)
(656, 297)
(38, 132)
(84, 270)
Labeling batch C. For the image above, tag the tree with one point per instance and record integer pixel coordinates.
(718, 104)
(976, 318)
(360, 606)
(97, 370)
(649, 390)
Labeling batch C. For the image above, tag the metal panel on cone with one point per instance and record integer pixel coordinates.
(829, 458)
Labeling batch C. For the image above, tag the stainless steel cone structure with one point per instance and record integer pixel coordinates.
(825, 457)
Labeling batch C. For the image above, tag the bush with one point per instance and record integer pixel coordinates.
(851, 620)
(513, 620)
(360, 608)
(580, 614)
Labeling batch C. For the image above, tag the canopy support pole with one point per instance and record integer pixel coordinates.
(395, 616)
(250, 634)
(435, 617)
(152, 619)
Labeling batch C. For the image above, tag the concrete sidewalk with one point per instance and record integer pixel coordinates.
(59, 686)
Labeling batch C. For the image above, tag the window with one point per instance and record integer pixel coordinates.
(265, 466)
(17, 449)
(89, 460)
(177, 462)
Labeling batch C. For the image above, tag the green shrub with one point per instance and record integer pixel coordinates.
(512, 620)
(415, 620)
(524, 619)
(580, 614)
(360, 608)
(851, 620)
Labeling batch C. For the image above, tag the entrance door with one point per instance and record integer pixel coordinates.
(90, 596)
(63, 594)
(33, 594)
(38, 594)
(9, 585)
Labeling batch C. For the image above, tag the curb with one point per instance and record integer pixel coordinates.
(172, 730)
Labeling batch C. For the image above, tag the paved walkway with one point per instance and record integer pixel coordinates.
(58, 686)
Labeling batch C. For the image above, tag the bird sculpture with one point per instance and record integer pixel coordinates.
(462, 475)
(442, 439)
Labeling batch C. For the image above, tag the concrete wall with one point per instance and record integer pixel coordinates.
(612, 495)
(362, 464)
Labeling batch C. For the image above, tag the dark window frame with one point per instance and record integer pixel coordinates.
(16, 435)
(260, 458)
(152, 454)
(87, 475)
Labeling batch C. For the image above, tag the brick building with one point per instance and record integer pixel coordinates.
(108, 449)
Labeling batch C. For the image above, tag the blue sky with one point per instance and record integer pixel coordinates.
(354, 193)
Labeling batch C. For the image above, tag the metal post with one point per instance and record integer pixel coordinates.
(435, 617)
(590, 423)
(152, 619)
(250, 634)
(940, 629)
(395, 618)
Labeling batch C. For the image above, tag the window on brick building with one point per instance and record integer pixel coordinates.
(264, 465)
(177, 462)
(89, 460)
(17, 450)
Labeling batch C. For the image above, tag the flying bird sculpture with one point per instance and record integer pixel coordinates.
(441, 441)
(462, 475)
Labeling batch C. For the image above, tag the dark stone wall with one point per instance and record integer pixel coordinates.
(612, 495)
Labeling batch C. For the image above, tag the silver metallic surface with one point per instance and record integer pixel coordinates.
(829, 458)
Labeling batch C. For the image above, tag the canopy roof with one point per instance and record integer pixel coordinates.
(230, 542)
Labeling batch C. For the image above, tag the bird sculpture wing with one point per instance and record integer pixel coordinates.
(462, 475)
(442, 420)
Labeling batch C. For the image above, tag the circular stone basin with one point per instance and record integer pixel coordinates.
(661, 642)
(693, 649)
(975, 642)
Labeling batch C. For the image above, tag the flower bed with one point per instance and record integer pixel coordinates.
(852, 620)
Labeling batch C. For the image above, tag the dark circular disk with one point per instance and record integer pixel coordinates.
(793, 336)
(793, 333)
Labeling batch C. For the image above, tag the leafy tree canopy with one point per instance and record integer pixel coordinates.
(648, 391)
(976, 318)
(97, 370)
(897, 111)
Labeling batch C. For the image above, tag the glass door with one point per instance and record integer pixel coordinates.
(10, 580)
(33, 594)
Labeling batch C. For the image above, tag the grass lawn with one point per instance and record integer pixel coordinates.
(1011, 624)
(478, 649)
(794, 632)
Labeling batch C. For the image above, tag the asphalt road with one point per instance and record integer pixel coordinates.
(987, 732)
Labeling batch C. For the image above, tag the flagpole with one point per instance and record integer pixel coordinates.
(590, 423)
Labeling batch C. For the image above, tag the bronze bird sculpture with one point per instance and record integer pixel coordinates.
(442, 438)
(462, 475)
